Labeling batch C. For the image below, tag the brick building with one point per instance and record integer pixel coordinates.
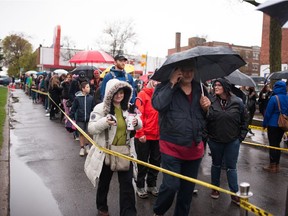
(264, 56)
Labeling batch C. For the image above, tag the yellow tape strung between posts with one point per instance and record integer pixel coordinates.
(252, 208)
(246, 204)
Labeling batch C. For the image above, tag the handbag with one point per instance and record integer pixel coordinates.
(283, 119)
(69, 126)
(117, 163)
(68, 103)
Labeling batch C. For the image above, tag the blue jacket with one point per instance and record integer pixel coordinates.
(272, 111)
(120, 75)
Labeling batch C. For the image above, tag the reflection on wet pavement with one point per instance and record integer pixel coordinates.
(25, 183)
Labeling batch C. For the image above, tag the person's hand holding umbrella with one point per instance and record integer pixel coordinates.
(205, 103)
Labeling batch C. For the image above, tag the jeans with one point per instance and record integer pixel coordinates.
(172, 185)
(227, 152)
(127, 194)
(275, 135)
(147, 151)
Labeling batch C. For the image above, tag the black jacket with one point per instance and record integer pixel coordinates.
(180, 122)
(226, 124)
(82, 107)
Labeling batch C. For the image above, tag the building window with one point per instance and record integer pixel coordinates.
(255, 55)
(255, 67)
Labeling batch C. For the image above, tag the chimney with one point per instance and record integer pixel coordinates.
(178, 42)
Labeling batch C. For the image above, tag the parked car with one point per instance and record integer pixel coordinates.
(5, 80)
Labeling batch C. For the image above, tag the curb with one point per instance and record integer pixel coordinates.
(5, 165)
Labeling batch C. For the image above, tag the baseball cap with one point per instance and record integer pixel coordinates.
(120, 57)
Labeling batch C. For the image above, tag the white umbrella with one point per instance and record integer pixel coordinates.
(60, 72)
(31, 72)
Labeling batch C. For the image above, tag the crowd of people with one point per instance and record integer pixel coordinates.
(172, 122)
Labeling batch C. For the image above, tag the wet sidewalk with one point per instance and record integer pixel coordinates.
(47, 176)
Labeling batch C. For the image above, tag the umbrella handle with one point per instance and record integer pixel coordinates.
(202, 90)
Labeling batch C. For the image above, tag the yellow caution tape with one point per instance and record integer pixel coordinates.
(252, 208)
(245, 204)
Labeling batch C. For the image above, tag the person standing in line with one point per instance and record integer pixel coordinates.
(118, 72)
(55, 91)
(227, 126)
(264, 97)
(182, 110)
(74, 88)
(65, 93)
(95, 84)
(147, 142)
(275, 133)
(251, 105)
(111, 115)
(82, 106)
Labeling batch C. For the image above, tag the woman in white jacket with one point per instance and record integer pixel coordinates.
(112, 114)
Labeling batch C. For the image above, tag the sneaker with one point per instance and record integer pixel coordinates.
(77, 138)
(215, 194)
(47, 114)
(82, 152)
(87, 148)
(235, 199)
(142, 193)
(153, 190)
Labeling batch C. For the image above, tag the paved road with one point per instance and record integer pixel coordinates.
(47, 176)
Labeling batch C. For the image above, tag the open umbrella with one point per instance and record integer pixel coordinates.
(128, 68)
(210, 63)
(91, 56)
(279, 75)
(30, 72)
(239, 78)
(277, 9)
(87, 68)
(60, 72)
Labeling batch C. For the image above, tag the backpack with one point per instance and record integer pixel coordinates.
(114, 76)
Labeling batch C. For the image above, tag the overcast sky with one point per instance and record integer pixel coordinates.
(156, 21)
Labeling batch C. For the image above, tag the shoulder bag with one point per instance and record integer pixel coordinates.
(283, 119)
(117, 163)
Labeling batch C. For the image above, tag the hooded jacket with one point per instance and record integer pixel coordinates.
(120, 75)
(149, 115)
(272, 112)
(228, 123)
(82, 107)
(98, 124)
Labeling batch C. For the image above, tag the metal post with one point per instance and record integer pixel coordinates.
(244, 193)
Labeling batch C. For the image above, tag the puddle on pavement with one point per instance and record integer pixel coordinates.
(28, 194)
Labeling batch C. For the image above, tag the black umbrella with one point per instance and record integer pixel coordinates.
(210, 63)
(277, 9)
(89, 69)
(239, 78)
(279, 75)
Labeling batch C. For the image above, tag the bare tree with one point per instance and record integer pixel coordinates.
(118, 35)
(68, 50)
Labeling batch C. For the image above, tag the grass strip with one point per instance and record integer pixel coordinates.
(3, 101)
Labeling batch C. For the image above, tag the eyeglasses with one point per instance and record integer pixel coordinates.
(218, 85)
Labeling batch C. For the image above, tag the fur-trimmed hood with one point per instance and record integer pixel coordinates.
(113, 86)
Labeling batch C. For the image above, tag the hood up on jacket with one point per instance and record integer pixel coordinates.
(225, 83)
(112, 87)
(279, 88)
